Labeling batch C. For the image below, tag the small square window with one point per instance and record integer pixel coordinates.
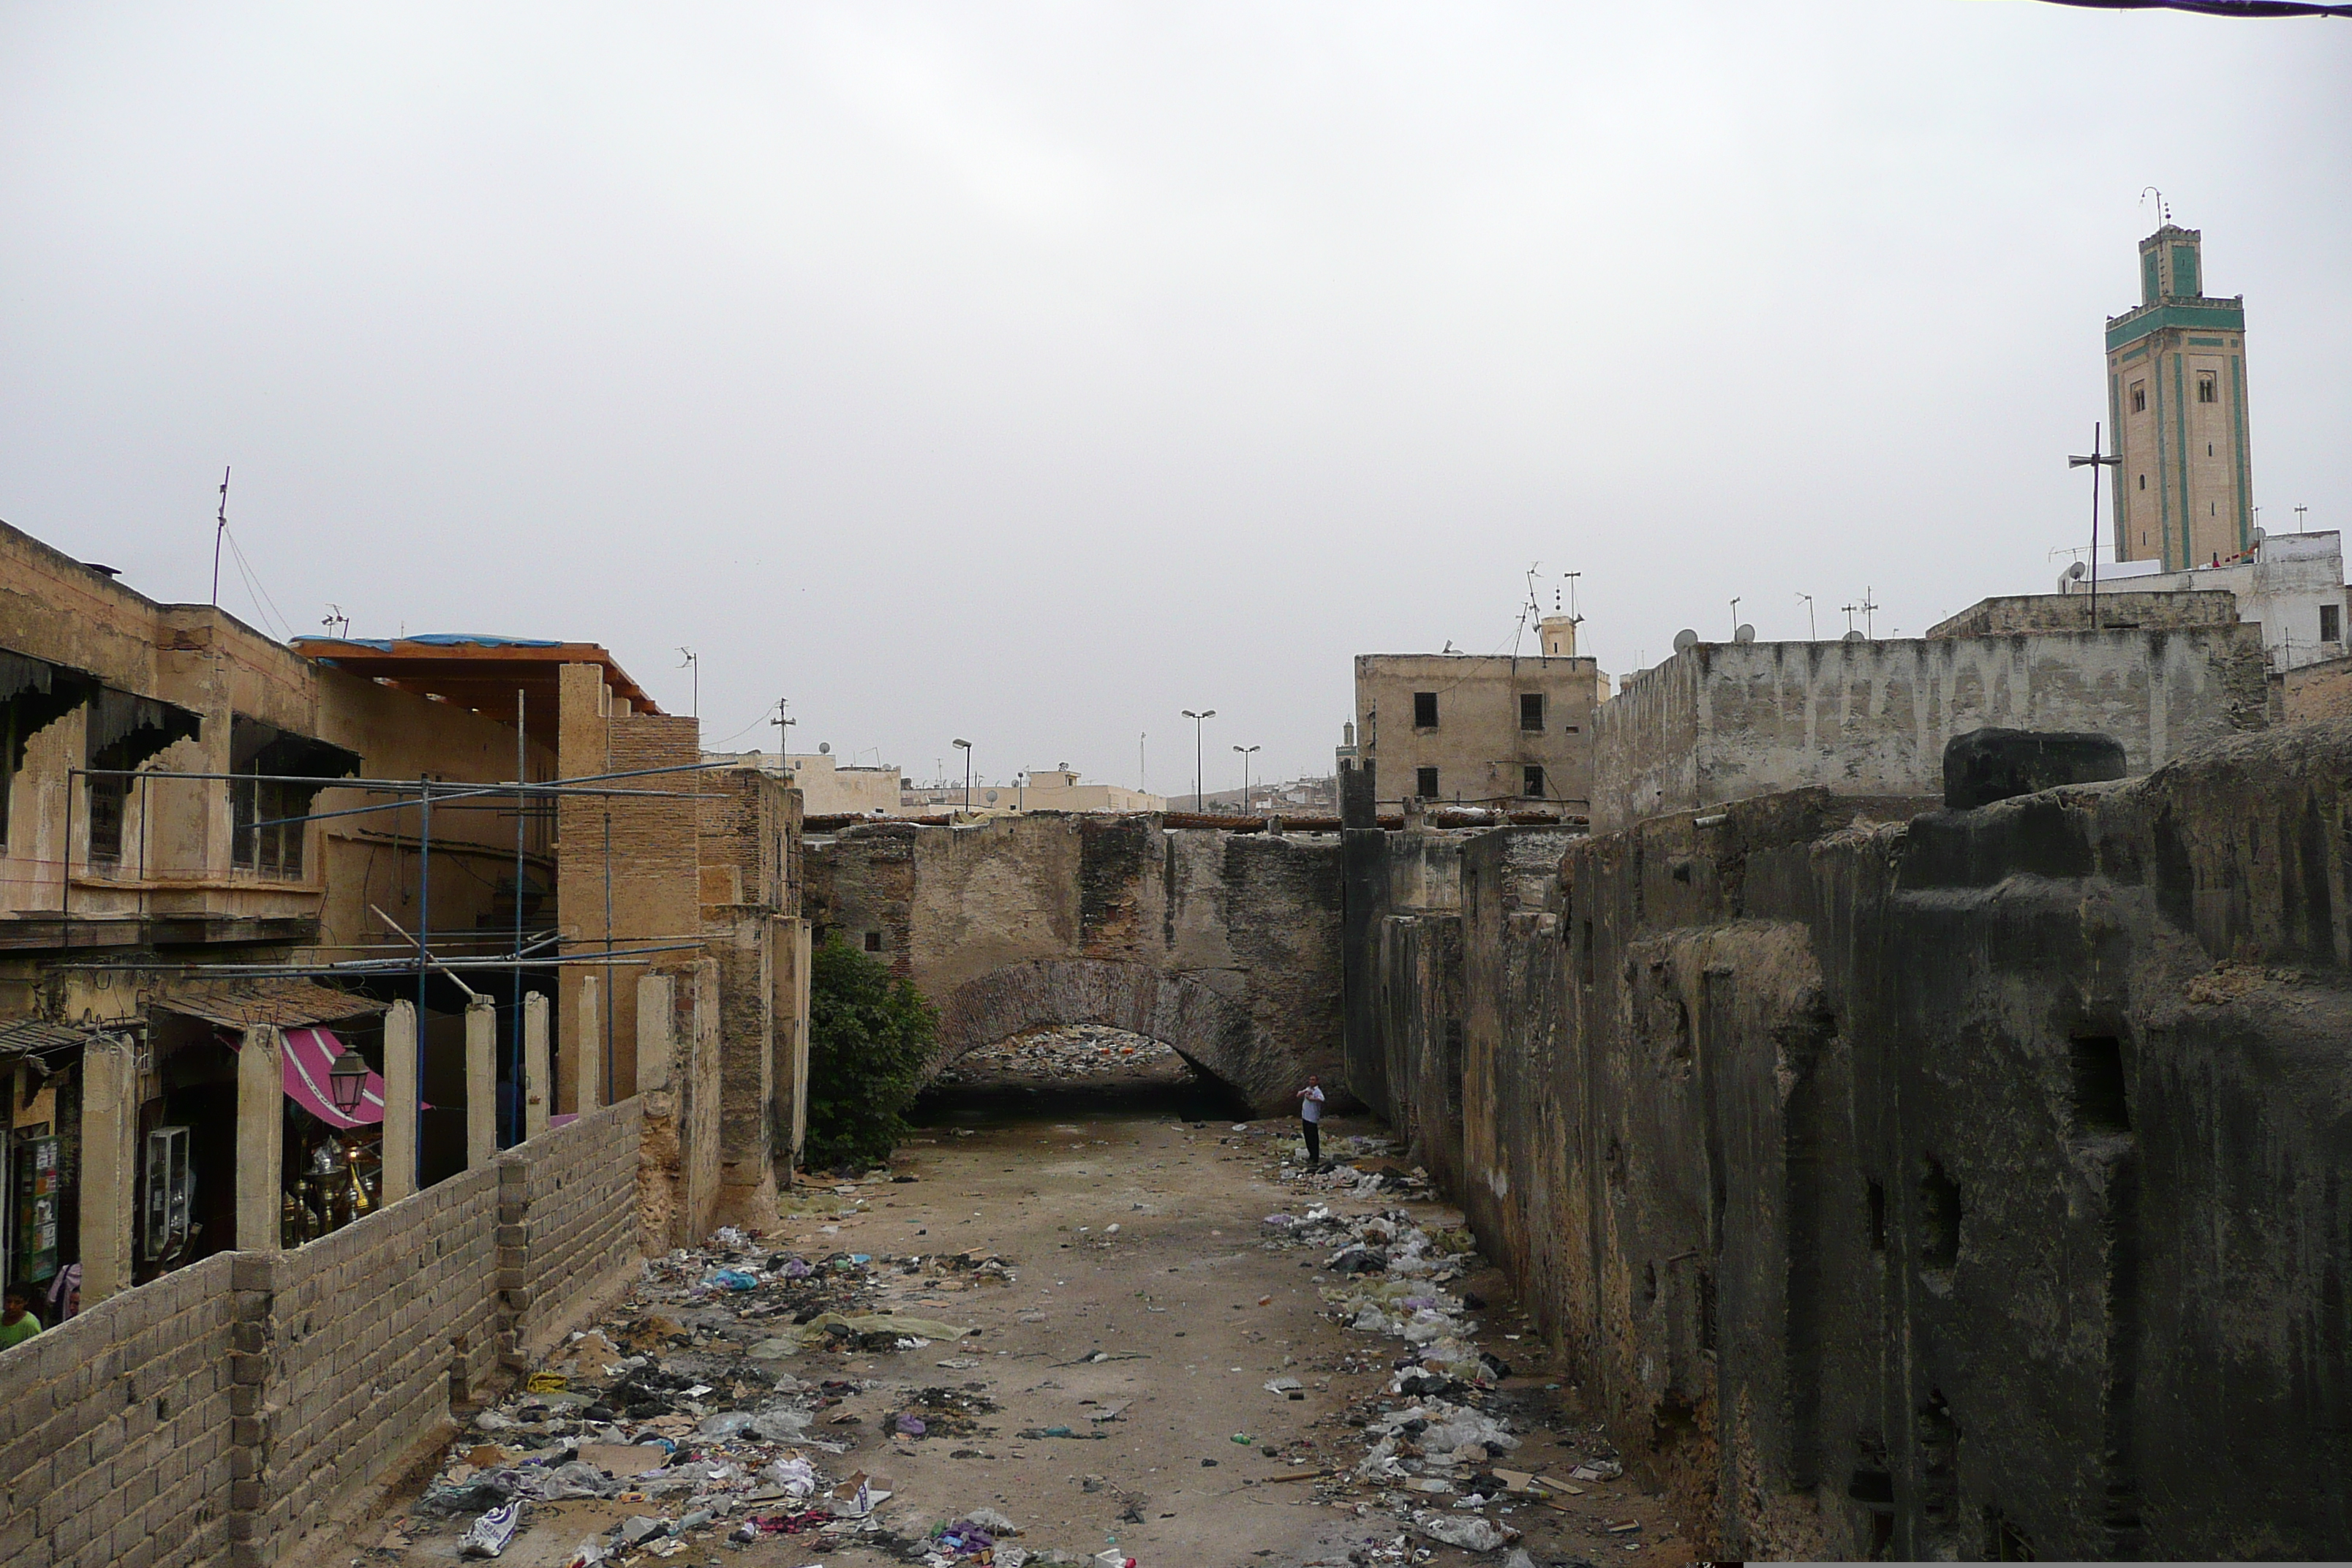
(2139, 397)
(1531, 710)
(873, 942)
(1424, 709)
(2331, 623)
(2207, 388)
(1533, 782)
(1424, 783)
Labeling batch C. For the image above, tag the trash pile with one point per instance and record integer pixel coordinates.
(1435, 1441)
(1363, 1166)
(716, 1404)
(1066, 1051)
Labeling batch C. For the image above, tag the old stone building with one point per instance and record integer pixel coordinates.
(1504, 731)
(1725, 722)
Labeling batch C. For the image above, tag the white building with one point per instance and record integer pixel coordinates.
(2292, 583)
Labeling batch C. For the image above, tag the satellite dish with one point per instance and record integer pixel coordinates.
(824, 748)
(2078, 571)
(1685, 640)
(2260, 536)
(1745, 634)
(1853, 637)
(989, 795)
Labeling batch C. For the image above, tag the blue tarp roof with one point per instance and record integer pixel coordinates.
(443, 639)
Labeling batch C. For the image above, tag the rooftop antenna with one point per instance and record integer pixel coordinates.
(1735, 617)
(696, 665)
(1534, 606)
(1867, 606)
(1574, 619)
(2096, 460)
(1812, 633)
(2300, 519)
(335, 617)
(217, 533)
(2163, 207)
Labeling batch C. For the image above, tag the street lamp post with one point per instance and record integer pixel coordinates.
(1245, 751)
(965, 747)
(1199, 801)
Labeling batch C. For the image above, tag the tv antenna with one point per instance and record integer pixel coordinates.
(218, 533)
(1534, 606)
(335, 617)
(692, 662)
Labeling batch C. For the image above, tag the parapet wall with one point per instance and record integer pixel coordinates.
(225, 1410)
(1960, 1185)
(1721, 722)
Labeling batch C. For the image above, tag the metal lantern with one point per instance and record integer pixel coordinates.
(348, 1081)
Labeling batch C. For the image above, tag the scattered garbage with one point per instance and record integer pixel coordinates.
(489, 1534)
(1071, 1051)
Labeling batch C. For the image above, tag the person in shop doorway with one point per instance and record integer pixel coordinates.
(17, 1324)
(1310, 1118)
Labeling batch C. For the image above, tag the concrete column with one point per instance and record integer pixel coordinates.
(588, 1062)
(656, 1000)
(399, 1103)
(260, 1138)
(481, 1082)
(538, 1088)
(110, 1166)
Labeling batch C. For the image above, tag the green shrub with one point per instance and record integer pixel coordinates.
(870, 1038)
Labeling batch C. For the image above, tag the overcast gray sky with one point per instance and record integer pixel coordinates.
(1031, 372)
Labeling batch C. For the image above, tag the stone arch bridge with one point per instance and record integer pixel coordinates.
(1224, 946)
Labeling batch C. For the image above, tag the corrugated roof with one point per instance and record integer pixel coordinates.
(27, 1037)
(287, 1004)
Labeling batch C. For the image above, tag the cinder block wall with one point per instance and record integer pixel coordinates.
(115, 1428)
(220, 1413)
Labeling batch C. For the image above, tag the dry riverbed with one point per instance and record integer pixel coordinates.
(1089, 1313)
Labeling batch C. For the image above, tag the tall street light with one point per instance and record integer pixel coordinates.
(965, 747)
(1198, 804)
(1245, 751)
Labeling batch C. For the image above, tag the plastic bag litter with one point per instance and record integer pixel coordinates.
(795, 1475)
(575, 1479)
(489, 1534)
(779, 1424)
(995, 1523)
(1468, 1532)
(722, 1425)
(733, 1280)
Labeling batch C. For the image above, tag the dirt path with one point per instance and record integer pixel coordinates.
(1148, 1310)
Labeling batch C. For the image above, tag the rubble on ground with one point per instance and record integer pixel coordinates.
(715, 1404)
(1438, 1437)
(1070, 1051)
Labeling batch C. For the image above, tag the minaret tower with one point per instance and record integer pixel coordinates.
(2176, 393)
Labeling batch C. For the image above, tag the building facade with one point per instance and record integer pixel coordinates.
(2177, 400)
(1512, 732)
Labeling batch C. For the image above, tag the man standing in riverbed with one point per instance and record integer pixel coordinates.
(1310, 1118)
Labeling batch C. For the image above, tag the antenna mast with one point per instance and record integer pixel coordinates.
(217, 531)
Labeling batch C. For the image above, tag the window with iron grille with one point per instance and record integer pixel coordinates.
(1424, 784)
(1424, 709)
(1531, 710)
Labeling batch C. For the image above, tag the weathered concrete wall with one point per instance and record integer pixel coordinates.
(225, 1410)
(1225, 945)
(1943, 1188)
(1730, 721)
(2132, 608)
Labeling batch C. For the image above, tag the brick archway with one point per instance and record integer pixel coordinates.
(1213, 1033)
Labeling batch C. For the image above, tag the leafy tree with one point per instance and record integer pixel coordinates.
(870, 1038)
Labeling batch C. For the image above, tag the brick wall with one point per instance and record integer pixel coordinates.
(115, 1428)
(219, 1413)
